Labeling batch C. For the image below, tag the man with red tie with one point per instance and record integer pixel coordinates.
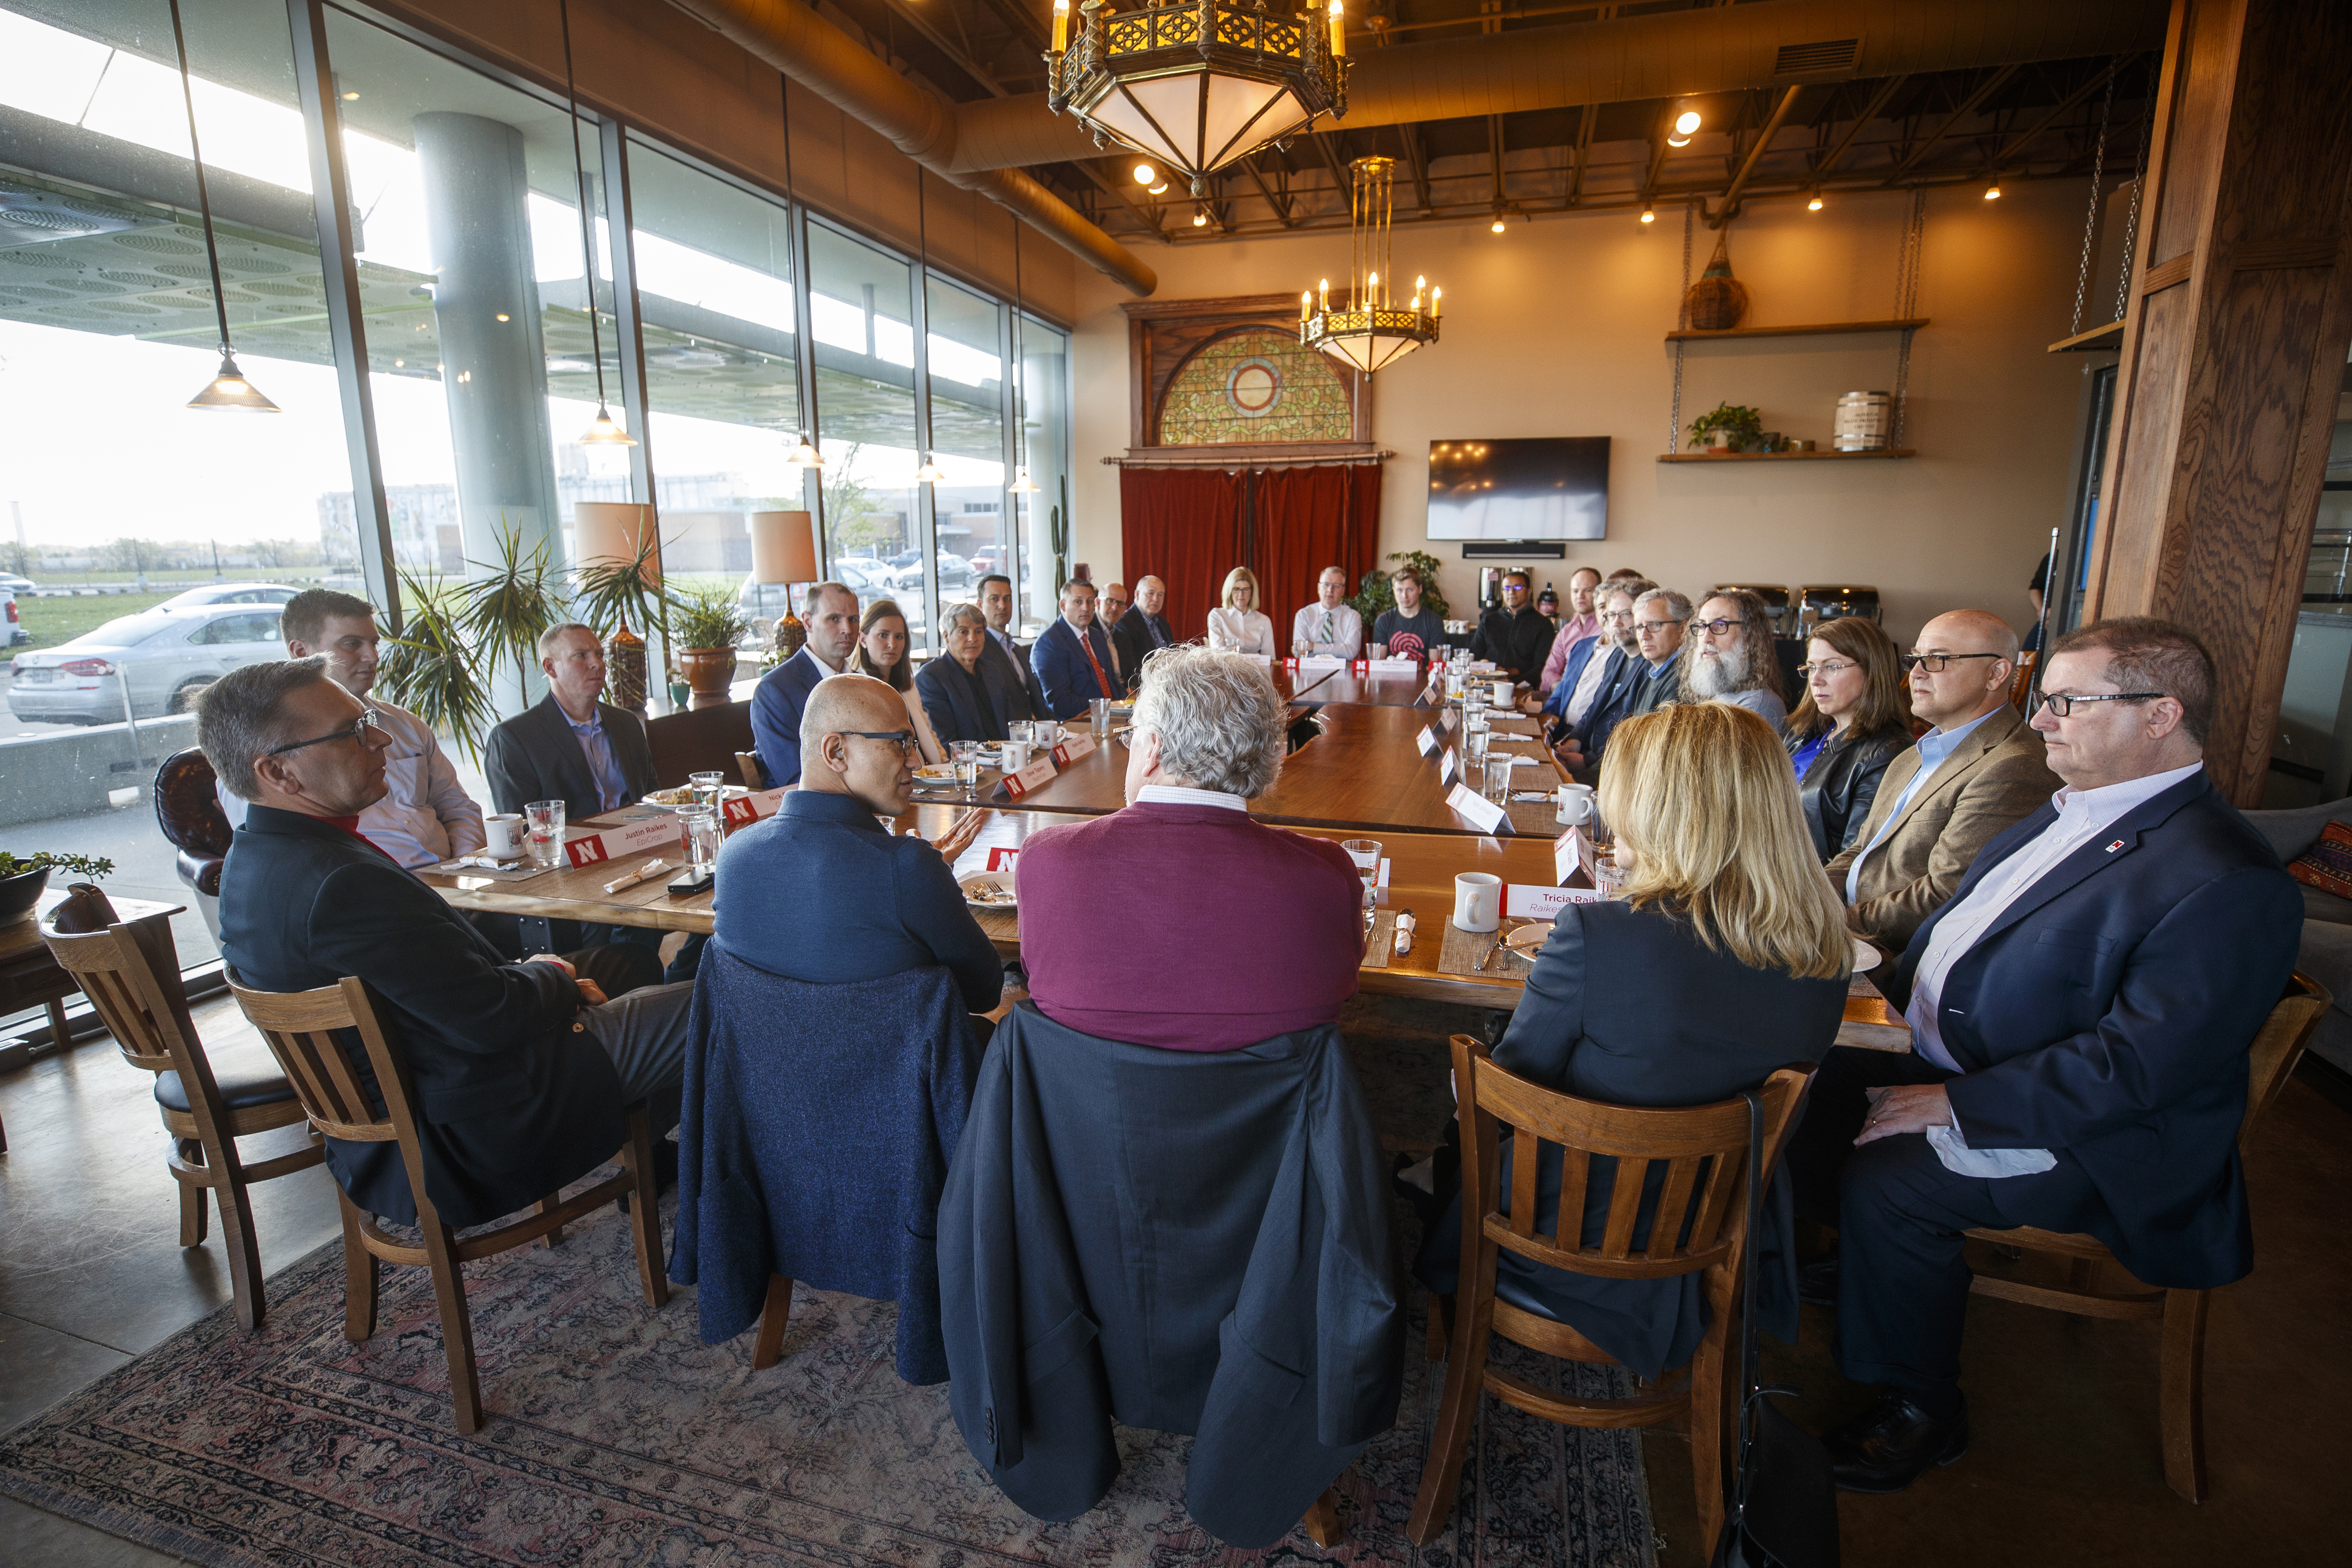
(1072, 656)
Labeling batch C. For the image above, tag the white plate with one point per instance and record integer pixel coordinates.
(1865, 957)
(984, 883)
(936, 772)
(1529, 937)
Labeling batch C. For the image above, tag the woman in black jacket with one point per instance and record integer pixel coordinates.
(1854, 719)
(1726, 958)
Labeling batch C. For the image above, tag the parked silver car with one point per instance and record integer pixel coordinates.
(232, 594)
(171, 653)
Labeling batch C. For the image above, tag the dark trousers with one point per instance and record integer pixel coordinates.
(1902, 1284)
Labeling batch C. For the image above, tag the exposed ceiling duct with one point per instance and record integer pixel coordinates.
(820, 56)
(1718, 49)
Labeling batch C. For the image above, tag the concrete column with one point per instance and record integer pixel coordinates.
(493, 361)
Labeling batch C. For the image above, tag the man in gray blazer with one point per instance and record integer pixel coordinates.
(1979, 769)
(571, 747)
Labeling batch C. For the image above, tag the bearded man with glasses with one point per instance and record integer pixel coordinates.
(2080, 1016)
(1977, 770)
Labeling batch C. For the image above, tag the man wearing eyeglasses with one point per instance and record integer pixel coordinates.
(1516, 636)
(888, 902)
(521, 1070)
(2080, 1016)
(1641, 683)
(1978, 769)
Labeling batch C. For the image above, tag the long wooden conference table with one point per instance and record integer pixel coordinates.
(1362, 776)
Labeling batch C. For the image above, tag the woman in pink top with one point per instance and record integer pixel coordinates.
(1585, 622)
(1180, 921)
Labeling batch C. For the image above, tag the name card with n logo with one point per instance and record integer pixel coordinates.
(1073, 746)
(1028, 779)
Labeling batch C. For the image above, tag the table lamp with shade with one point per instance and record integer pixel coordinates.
(616, 547)
(783, 550)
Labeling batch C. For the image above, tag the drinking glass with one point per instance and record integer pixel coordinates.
(1098, 715)
(708, 788)
(705, 832)
(965, 756)
(1498, 778)
(545, 820)
(1475, 744)
(1017, 730)
(1366, 853)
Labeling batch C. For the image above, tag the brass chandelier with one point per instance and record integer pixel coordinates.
(1197, 83)
(1370, 330)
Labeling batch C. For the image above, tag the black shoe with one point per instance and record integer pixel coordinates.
(1892, 1444)
(1817, 1282)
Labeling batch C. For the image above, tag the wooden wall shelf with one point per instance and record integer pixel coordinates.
(2110, 335)
(1817, 330)
(1779, 457)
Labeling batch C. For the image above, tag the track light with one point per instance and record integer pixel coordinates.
(1498, 224)
(1159, 187)
(1649, 213)
(1993, 191)
(1200, 218)
(1813, 203)
(1145, 173)
(1686, 121)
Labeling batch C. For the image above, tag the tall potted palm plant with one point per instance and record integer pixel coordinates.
(429, 670)
(500, 614)
(613, 592)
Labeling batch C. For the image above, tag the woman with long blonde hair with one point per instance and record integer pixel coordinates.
(1726, 958)
(1238, 624)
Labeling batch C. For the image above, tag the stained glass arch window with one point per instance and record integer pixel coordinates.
(1255, 386)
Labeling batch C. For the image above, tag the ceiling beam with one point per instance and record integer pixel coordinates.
(1416, 161)
(2018, 143)
(1778, 117)
(1281, 205)
(1584, 128)
(1870, 111)
(1984, 89)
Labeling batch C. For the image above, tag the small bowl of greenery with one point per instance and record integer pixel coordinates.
(24, 877)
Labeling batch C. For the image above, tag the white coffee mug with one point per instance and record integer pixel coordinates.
(1016, 755)
(1575, 803)
(505, 831)
(1503, 689)
(1477, 902)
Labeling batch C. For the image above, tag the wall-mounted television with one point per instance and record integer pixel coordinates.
(1550, 486)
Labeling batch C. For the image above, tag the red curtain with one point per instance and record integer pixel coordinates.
(1305, 518)
(1182, 526)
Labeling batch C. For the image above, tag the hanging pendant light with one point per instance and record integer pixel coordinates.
(1198, 84)
(1370, 330)
(602, 430)
(929, 473)
(228, 391)
(1022, 485)
(805, 456)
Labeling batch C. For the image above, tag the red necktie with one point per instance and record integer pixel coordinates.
(1102, 682)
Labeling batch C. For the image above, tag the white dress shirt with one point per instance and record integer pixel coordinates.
(1587, 685)
(425, 816)
(1241, 631)
(1185, 794)
(1335, 632)
(2082, 815)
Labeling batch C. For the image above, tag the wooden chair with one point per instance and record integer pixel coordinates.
(748, 764)
(2181, 1381)
(2021, 685)
(133, 979)
(696, 741)
(1713, 1201)
(300, 1027)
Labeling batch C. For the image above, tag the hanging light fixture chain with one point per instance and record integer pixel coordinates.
(2131, 217)
(2091, 208)
(580, 173)
(1907, 303)
(1682, 321)
(204, 197)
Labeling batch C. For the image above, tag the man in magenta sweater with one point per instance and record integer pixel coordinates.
(1260, 931)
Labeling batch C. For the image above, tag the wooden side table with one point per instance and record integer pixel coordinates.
(28, 976)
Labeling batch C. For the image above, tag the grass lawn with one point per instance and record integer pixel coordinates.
(55, 621)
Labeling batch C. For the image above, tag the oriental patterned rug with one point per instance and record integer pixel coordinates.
(617, 1437)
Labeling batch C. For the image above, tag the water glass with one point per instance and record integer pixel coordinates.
(1098, 715)
(705, 832)
(1475, 744)
(708, 788)
(1019, 731)
(545, 822)
(1366, 853)
(965, 756)
(1498, 778)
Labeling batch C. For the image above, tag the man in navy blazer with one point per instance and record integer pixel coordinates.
(2080, 1013)
(1072, 656)
(830, 612)
(1004, 663)
(1143, 630)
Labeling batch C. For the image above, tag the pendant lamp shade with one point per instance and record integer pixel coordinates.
(611, 532)
(804, 455)
(230, 393)
(784, 547)
(930, 473)
(605, 431)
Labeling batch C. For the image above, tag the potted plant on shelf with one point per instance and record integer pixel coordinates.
(24, 877)
(1728, 428)
(706, 624)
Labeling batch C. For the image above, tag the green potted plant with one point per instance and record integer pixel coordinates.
(1377, 591)
(429, 669)
(618, 592)
(1728, 428)
(24, 877)
(706, 625)
(501, 616)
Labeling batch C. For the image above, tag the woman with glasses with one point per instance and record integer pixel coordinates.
(1237, 623)
(1855, 718)
(882, 653)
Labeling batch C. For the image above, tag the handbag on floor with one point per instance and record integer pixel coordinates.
(1783, 1511)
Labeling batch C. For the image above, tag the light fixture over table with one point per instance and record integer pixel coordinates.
(228, 392)
(1197, 83)
(602, 430)
(1371, 330)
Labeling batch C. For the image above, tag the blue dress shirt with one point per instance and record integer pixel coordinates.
(1933, 748)
(611, 785)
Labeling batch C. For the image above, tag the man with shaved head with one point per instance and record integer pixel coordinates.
(1144, 629)
(1979, 769)
(822, 892)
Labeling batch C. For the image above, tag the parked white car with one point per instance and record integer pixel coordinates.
(171, 652)
(232, 594)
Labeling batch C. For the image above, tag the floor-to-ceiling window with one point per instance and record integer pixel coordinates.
(861, 320)
(967, 381)
(1043, 398)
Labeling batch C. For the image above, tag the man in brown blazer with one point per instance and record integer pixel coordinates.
(1978, 771)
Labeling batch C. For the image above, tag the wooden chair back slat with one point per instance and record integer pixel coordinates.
(117, 970)
(1712, 1139)
(299, 1027)
(2279, 1044)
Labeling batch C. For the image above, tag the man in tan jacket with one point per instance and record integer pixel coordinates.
(1978, 771)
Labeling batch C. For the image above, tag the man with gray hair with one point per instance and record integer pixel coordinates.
(1728, 658)
(1640, 685)
(521, 1070)
(1273, 920)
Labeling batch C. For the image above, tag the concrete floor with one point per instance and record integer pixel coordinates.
(2065, 1466)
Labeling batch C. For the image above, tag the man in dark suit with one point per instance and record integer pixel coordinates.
(1005, 661)
(2080, 1013)
(830, 612)
(571, 747)
(1642, 682)
(1144, 629)
(521, 1069)
(1072, 656)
